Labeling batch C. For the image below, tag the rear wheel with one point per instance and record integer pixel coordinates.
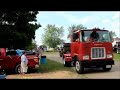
(105, 68)
(118, 51)
(66, 63)
(79, 67)
(18, 69)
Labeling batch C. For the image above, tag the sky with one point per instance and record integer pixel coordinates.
(110, 20)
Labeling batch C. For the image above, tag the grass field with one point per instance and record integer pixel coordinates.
(55, 66)
(52, 66)
(116, 57)
(50, 53)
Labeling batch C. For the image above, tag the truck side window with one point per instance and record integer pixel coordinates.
(75, 37)
(11, 53)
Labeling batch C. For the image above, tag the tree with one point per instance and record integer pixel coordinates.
(52, 36)
(32, 46)
(113, 34)
(17, 28)
(75, 27)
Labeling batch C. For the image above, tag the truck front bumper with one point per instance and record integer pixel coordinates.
(99, 63)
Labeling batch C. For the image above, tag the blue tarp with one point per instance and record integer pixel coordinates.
(19, 52)
(2, 76)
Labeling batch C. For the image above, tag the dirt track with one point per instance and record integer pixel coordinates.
(50, 75)
(96, 73)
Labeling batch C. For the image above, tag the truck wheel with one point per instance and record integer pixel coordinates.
(79, 68)
(18, 69)
(66, 63)
(118, 51)
(105, 68)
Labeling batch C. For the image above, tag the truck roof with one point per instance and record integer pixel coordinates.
(89, 30)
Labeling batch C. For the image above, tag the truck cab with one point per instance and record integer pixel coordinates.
(91, 48)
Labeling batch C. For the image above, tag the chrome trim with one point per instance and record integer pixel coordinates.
(96, 53)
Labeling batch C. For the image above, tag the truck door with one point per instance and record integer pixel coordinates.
(10, 61)
(75, 43)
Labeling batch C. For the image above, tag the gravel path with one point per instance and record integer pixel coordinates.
(95, 73)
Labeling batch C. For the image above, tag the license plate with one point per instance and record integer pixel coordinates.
(108, 66)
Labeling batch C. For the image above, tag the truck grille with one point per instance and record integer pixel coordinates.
(98, 53)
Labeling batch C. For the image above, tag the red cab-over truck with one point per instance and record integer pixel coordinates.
(90, 48)
(11, 61)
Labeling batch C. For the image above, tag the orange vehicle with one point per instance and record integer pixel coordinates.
(90, 48)
(11, 61)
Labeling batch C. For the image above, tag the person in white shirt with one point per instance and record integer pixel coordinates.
(24, 63)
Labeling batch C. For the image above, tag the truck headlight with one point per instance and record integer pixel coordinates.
(109, 55)
(85, 57)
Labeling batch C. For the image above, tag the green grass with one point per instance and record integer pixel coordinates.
(50, 53)
(116, 57)
(52, 66)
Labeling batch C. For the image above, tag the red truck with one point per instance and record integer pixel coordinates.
(11, 61)
(90, 48)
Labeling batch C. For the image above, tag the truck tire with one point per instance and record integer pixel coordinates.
(66, 63)
(118, 51)
(18, 69)
(106, 69)
(79, 67)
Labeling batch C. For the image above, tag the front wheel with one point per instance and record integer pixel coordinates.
(18, 69)
(79, 67)
(107, 67)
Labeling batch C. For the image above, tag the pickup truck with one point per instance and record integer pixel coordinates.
(10, 60)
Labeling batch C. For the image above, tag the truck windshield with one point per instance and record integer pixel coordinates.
(99, 36)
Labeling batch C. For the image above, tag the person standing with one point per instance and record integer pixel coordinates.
(24, 63)
(39, 54)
